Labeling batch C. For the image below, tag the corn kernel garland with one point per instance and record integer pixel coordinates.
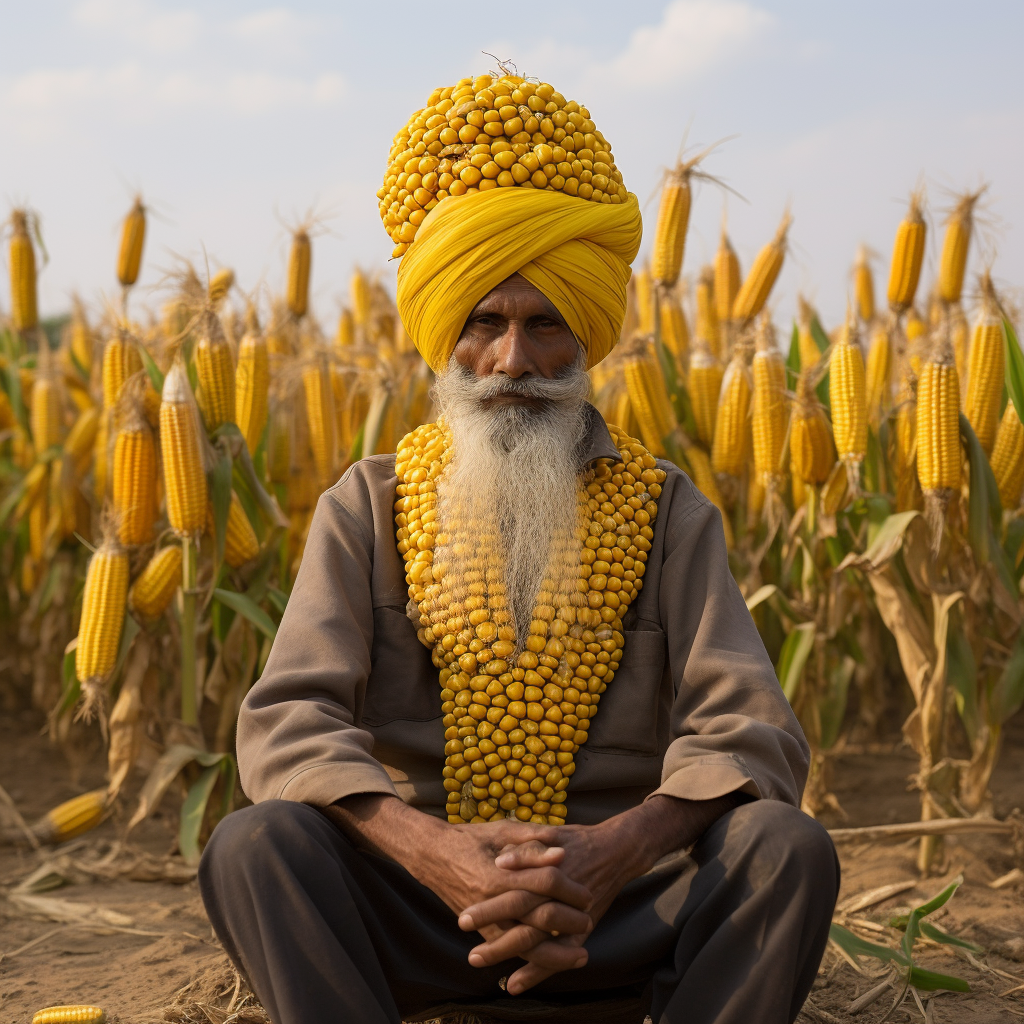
(512, 728)
(485, 133)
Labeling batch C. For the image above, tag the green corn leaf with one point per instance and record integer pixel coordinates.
(793, 658)
(155, 374)
(856, 946)
(821, 340)
(357, 444)
(1014, 366)
(930, 931)
(929, 981)
(219, 482)
(245, 606)
(1007, 694)
(832, 705)
(278, 599)
(193, 811)
(913, 927)
(71, 688)
(793, 356)
(962, 673)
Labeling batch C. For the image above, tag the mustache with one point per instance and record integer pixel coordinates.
(570, 383)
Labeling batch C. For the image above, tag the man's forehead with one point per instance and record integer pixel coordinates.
(518, 290)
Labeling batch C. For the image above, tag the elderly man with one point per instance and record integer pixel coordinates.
(406, 854)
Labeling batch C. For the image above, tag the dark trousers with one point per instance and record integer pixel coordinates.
(324, 933)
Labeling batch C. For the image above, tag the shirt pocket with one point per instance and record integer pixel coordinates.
(403, 682)
(627, 717)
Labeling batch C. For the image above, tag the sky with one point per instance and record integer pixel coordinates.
(237, 120)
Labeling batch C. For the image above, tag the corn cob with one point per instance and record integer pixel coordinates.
(133, 235)
(316, 382)
(45, 416)
(240, 543)
(649, 400)
(729, 444)
(344, 338)
(535, 744)
(7, 418)
(704, 480)
(673, 220)
(298, 274)
(279, 443)
(768, 408)
(70, 1015)
(157, 584)
(220, 284)
(81, 341)
(33, 485)
(756, 494)
(961, 334)
(71, 818)
(955, 244)
(252, 381)
(38, 519)
(809, 351)
(864, 286)
(848, 398)
(215, 372)
(727, 278)
(121, 360)
(184, 479)
(760, 279)
(78, 392)
(675, 332)
(101, 458)
(707, 324)
(414, 184)
(799, 490)
(938, 435)
(878, 383)
(1008, 458)
(22, 450)
(811, 451)
(905, 444)
(359, 294)
(835, 491)
(134, 479)
(103, 603)
(907, 256)
(705, 385)
(22, 264)
(986, 368)
(916, 328)
(643, 292)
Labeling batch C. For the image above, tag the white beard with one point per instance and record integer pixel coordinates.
(509, 502)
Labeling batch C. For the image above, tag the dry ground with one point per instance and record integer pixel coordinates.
(137, 968)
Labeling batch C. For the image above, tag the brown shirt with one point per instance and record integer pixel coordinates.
(349, 700)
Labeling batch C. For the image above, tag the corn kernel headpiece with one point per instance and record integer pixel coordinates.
(495, 177)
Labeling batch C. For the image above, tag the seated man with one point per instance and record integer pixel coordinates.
(410, 849)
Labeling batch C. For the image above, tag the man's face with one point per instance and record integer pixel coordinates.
(516, 332)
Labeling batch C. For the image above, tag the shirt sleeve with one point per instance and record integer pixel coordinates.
(731, 727)
(297, 732)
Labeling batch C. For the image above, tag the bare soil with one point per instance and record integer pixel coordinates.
(161, 961)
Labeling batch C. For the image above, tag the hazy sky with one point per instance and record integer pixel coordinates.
(235, 119)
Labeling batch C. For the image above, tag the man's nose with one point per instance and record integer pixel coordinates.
(515, 352)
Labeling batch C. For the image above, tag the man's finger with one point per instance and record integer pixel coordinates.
(519, 905)
(545, 953)
(537, 969)
(529, 855)
(551, 882)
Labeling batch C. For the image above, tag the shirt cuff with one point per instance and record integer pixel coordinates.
(707, 778)
(324, 784)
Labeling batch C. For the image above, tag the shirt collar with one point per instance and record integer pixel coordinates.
(597, 443)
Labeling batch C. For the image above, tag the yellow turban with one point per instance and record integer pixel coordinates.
(576, 252)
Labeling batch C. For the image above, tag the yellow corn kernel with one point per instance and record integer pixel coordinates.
(811, 451)
(907, 257)
(72, 818)
(957, 240)
(878, 383)
(674, 330)
(762, 275)
(70, 1015)
(103, 603)
(45, 417)
(673, 220)
(316, 382)
(649, 400)
(299, 259)
(252, 382)
(769, 410)
(985, 372)
(848, 398)
(864, 286)
(707, 325)
(704, 385)
(184, 478)
(729, 444)
(121, 360)
(1008, 458)
(157, 584)
(727, 277)
(133, 235)
(215, 374)
(22, 266)
(938, 424)
(134, 482)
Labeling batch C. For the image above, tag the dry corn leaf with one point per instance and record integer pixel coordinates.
(66, 912)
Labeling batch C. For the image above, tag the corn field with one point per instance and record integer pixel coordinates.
(159, 468)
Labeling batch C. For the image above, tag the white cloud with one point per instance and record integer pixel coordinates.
(142, 22)
(693, 36)
(270, 24)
